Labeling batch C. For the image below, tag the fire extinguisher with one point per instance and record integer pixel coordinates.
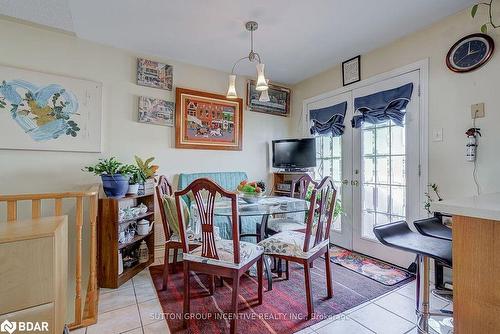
(471, 145)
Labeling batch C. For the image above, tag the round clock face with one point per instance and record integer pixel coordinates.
(470, 53)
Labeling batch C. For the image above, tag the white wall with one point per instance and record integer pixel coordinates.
(450, 97)
(53, 52)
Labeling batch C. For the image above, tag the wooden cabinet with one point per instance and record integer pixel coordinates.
(34, 275)
(108, 227)
(282, 182)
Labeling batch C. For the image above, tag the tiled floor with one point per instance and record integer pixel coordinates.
(134, 309)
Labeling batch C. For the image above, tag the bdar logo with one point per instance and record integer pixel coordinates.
(8, 326)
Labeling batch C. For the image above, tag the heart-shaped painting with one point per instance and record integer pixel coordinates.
(45, 113)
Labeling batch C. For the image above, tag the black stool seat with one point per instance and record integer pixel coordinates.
(398, 235)
(433, 227)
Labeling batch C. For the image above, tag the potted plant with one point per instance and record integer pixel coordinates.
(137, 177)
(114, 176)
(149, 171)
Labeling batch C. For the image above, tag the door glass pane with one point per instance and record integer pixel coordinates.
(329, 163)
(383, 170)
(383, 178)
(369, 170)
(383, 198)
(382, 140)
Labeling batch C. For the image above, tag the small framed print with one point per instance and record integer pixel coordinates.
(351, 71)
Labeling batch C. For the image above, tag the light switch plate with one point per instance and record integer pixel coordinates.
(477, 110)
(437, 134)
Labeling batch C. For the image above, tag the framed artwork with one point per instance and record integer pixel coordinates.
(207, 121)
(156, 111)
(351, 71)
(278, 104)
(47, 112)
(154, 74)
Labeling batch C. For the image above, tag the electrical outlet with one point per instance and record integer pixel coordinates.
(437, 134)
(477, 110)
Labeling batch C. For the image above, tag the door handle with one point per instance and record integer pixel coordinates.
(355, 183)
(345, 182)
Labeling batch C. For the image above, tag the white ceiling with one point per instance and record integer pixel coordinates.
(296, 39)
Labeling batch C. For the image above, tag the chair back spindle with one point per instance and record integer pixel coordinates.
(205, 193)
(320, 214)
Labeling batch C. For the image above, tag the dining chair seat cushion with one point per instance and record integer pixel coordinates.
(290, 243)
(284, 224)
(170, 208)
(248, 252)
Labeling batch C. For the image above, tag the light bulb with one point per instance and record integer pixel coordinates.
(231, 91)
(264, 96)
(261, 79)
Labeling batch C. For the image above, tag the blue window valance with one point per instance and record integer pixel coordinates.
(328, 121)
(382, 106)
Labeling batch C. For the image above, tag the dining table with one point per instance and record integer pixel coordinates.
(264, 207)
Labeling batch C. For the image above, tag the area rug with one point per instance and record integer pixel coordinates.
(283, 309)
(367, 266)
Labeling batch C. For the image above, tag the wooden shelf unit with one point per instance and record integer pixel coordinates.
(107, 238)
(284, 177)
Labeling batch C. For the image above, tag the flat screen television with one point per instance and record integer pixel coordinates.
(293, 154)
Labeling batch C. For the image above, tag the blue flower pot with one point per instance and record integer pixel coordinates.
(115, 185)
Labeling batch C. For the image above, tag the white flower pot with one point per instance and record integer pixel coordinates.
(133, 189)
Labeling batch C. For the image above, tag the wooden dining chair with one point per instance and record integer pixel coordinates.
(172, 241)
(304, 247)
(224, 258)
(300, 188)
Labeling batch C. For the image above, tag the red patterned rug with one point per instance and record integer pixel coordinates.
(283, 309)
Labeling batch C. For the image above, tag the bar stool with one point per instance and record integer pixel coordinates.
(398, 235)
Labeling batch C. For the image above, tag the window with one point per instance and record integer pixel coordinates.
(329, 163)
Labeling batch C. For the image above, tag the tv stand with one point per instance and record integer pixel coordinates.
(286, 177)
(296, 170)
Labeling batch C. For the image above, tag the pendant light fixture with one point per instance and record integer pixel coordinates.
(262, 83)
(264, 96)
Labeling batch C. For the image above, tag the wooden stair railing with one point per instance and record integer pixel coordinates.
(88, 315)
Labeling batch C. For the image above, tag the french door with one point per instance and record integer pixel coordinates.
(376, 169)
(333, 161)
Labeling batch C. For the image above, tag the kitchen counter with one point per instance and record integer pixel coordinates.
(485, 206)
(476, 262)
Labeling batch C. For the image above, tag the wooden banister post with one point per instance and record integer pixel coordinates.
(78, 270)
(11, 210)
(36, 208)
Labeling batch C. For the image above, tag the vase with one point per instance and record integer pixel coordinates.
(133, 189)
(116, 185)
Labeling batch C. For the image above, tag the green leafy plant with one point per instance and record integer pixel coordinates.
(136, 174)
(338, 210)
(109, 166)
(432, 189)
(484, 27)
(146, 167)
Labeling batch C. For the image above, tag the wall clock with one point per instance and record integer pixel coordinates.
(470, 53)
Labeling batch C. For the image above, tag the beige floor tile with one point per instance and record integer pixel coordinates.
(380, 320)
(116, 299)
(125, 285)
(409, 290)
(399, 304)
(117, 321)
(345, 326)
(158, 327)
(357, 307)
(79, 331)
(150, 311)
(325, 322)
(134, 331)
(145, 292)
(306, 330)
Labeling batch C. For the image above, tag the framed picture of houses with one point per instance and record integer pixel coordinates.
(156, 111)
(46, 112)
(154, 74)
(278, 102)
(207, 121)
